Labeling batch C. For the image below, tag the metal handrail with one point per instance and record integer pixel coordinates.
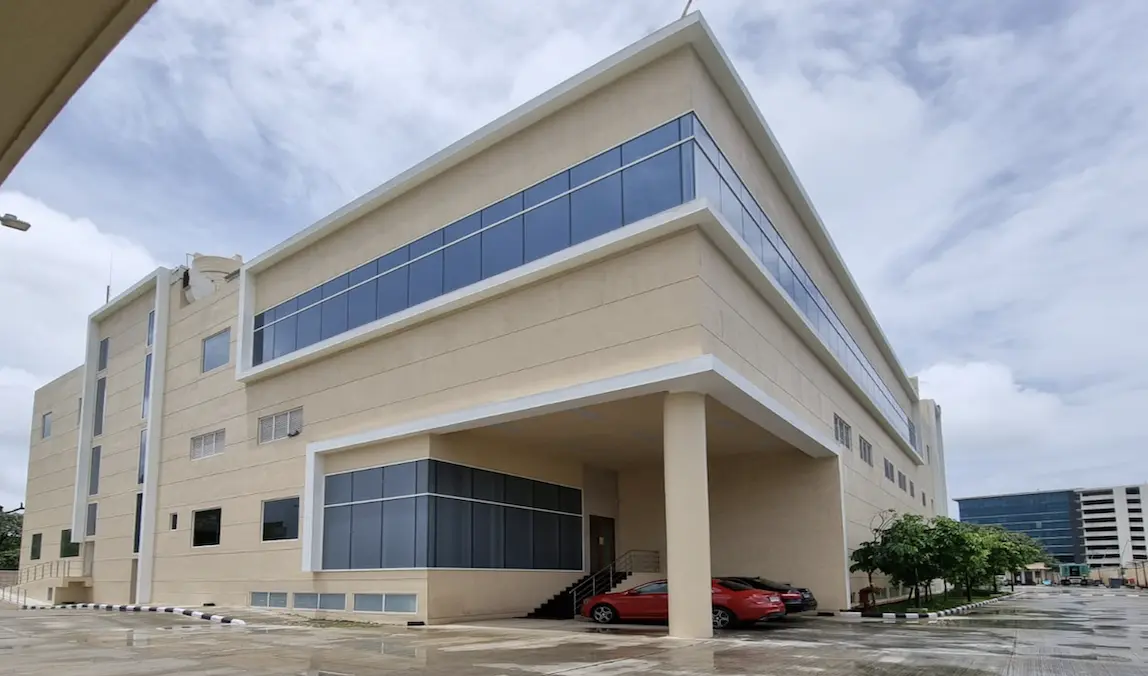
(60, 568)
(602, 581)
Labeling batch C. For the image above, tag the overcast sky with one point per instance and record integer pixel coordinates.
(981, 165)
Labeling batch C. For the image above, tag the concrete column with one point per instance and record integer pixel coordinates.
(687, 515)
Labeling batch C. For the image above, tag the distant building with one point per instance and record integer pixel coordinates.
(1103, 527)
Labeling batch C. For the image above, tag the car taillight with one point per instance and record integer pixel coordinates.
(790, 595)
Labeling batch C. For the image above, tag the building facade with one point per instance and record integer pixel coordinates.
(607, 326)
(1102, 527)
(1052, 518)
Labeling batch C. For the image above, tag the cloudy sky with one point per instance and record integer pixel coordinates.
(980, 164)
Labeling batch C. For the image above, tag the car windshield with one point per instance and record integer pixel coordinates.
(734, 585)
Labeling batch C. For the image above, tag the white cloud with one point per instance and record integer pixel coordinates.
(53, 276)
(980, 167)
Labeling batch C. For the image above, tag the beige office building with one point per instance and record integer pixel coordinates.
(608, 326)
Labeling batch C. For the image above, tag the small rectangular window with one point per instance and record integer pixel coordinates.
(102, 359)
(91, 520)
(269, 599)
(842, 432)
(207, 445)
(80, 411)
(400, 603)
(901, 480)
(280, 425)
(923, 499)
(332, 601)
(368, 603)
(68, 549)
(306, 601)
(912, 490)
(150, 328)
(206, 526)
(174, 521)
(889, 470)
(216, 350)
(37, 543)
(138, 525)
(98, 419)
(141, 464)
(146, 404)
(46, 425)
(281, 519)
(866, 450)
(94, 471)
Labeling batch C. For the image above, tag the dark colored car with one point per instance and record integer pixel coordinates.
(733, 603)
(796, 599)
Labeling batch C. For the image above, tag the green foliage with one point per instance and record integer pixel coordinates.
(11, 526)
(913, 551)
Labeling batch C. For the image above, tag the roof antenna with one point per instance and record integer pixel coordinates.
(687, 9)
(108, 288)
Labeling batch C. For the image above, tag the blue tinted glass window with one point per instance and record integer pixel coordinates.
(502, 247)
(366, 535)
(334, 314)
(650, 142)
(425, 278)
(426, 243)
(257, 347)
(731, 207)
(687, 152)
(400, 536)
(361, 304)
(367, 484)
(686, 125)
(284, 337)
(595, 167)
(268, 317)
(336, 285)
(393, 259)
(259, 319)
(266, 346)
(652, 186)
(286, 307)
(504, 209)
(785, 277)
(337, 488)
(551, 187)
(707, 144)
(308, 327)
(462, 261)
(707, 180)
(547, 229)
(337, 537)
(596, 209)
(755, 240)
(309, 298)
(392, 292)
(364, 272)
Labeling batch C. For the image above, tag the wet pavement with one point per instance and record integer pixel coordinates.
(1045, 632)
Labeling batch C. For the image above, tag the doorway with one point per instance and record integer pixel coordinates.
(601, 542)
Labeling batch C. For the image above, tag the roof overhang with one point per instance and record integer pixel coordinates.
(691, 31)
(48, 49)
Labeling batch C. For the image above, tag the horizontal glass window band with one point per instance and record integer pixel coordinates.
(447, 479)
(452, 497)
(761, 237)
(603, 198)
(446, 532)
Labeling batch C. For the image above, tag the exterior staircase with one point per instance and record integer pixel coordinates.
(565, 604)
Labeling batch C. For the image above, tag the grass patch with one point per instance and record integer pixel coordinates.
(938, 602)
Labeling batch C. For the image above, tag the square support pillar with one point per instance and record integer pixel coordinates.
(687, 515)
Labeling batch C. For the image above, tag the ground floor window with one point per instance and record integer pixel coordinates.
(434, 514)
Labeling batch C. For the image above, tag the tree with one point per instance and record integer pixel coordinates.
(865, 559)
(961, 553)
(905, 552)
(11, 527)
(1010, 552)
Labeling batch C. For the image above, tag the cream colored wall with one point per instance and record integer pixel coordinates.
(779, 515)
(126, 330)
(630, 106)
(618, 315)
(51, 470)
(715, 113)
(476, 594)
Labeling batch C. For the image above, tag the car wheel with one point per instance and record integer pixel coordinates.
(722, 618)
(603, 614)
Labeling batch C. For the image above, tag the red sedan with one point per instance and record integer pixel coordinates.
(733, 603)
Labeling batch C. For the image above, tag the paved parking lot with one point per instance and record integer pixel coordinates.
(1044, 632)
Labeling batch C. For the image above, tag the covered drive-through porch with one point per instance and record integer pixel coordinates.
(690, 461)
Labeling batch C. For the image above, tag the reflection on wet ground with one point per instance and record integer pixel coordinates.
(1046, 633)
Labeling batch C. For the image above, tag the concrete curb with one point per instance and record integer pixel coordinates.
(197, 614)
(959, 610)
